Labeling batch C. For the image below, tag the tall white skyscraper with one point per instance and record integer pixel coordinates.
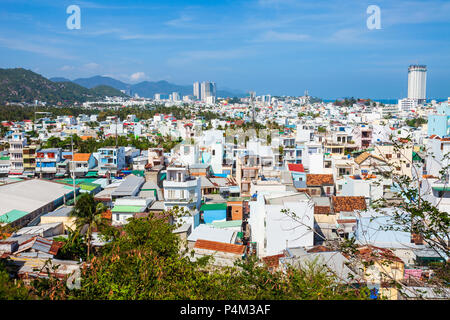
(417, 83)
(197, 90)
(208, 89)
(175, 96)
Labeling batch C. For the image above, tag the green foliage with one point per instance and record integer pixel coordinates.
(107, 91)
(88, 214)
(416, 122)
(20, 85)
(234, 100)
(74, 247)
(11, 289)
(146, 260)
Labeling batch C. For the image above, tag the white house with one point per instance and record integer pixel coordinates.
(274, 230)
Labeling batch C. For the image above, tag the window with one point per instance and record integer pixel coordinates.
(171, 194)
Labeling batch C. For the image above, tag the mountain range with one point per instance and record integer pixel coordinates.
(21, 85)
(145, 89)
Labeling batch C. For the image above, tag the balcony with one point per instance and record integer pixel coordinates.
(180, 201)
(180, 184)
(46, 169)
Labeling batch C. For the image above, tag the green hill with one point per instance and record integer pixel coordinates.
(21, 85)
(103, 90)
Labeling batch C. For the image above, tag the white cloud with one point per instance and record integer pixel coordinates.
(179, 22)
(91, 65)
(138, 76)
(28, 46)
(203, 55)
(66, 68)
(282, 36)
(159, 36)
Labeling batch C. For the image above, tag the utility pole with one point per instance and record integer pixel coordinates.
(73, 174)
(116, 131)
(252, 98)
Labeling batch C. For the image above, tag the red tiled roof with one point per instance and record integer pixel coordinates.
(348, 204)
(322, 210)
(372, 253)
(340, 221)
(56, 245)
(272, 261)
(219, 246)
(319, 249)
(296, 167)
(319, 179)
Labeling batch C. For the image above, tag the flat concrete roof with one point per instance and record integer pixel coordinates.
(30, 195)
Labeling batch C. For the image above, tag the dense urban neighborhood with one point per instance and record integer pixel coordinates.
(204, 197)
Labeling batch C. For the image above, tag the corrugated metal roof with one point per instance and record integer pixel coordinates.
(40, 244)
(129, 186)
(126, 209)
(60, 212)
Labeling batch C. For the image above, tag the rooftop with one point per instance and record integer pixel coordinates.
(219, 246)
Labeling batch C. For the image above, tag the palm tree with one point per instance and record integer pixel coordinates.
(88, 216)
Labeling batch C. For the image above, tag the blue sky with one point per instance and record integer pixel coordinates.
(279, 47)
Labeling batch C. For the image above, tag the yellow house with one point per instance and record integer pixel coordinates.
(382, 269)
(398, 158)
(60, 215)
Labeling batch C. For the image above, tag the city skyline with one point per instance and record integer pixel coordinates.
(272, 47)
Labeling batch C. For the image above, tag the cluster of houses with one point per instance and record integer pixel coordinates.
(285, 195)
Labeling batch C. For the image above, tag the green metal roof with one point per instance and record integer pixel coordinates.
(69, 181)
(441, 188)
(12, 216)
(89, 186)
(4, 158)
(416, 157)
(129, 209)
(214, 206)
(226, 224)
(138, 173)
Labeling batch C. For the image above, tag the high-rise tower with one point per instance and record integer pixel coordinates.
(197, 90)
(417, 83)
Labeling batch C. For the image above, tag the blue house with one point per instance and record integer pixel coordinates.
(213, 212)
(439, 124)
